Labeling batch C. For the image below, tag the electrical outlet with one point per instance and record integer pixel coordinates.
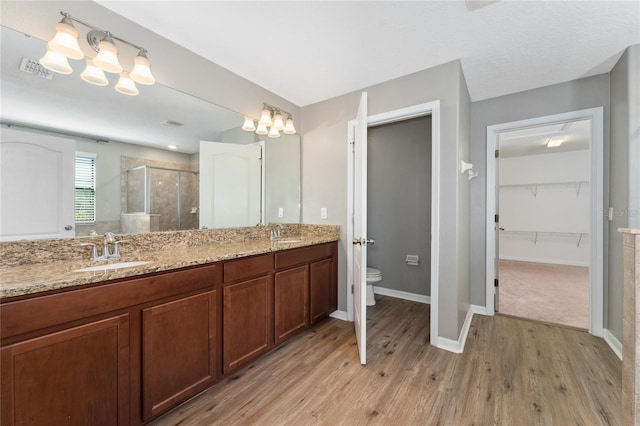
(323, 213)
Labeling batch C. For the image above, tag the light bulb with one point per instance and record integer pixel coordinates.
(126, 86)
(93, 74)
(288, 128)
(262, 129)
(66, 40)
(278, 124)
(107, 58)
(265, 117)
(56, 61)
(273, 133)
(141, 72)
(248, 125)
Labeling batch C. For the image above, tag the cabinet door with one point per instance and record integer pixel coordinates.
(321, 286)
(247, 325)
(178, 351)
(78, 376)
(291, 289)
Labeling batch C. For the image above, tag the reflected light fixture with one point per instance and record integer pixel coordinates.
(64, 45)
(271, 122)
(555, 141)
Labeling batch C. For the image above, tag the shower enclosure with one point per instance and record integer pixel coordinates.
(163, 199)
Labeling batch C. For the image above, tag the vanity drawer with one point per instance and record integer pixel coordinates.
(303, 255)
(248, 267)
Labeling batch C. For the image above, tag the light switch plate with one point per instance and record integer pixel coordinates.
(323, 213)
(280, 212)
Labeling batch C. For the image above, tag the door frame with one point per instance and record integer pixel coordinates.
(420, 110)
(596, 184)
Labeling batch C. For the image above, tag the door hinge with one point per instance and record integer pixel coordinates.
(352, 288)
(496, 218)
(495, 282)
(353, 146)
(497, 153)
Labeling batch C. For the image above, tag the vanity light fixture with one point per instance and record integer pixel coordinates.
(271, 122)
(555, 141)
(64, 45)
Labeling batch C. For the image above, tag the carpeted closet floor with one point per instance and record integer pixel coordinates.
(557, 294)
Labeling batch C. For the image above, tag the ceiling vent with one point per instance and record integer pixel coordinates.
(172, 123)
(33, 67)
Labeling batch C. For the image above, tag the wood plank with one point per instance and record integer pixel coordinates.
(512, 372)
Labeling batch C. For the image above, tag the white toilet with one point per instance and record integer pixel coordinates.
(373, 276)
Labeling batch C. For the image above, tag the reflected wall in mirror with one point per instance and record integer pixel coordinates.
(114, 126)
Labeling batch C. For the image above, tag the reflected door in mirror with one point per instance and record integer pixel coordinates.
(37, 186)
(230, 185)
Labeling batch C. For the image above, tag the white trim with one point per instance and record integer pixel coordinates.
(596, 276)
(398, 294)
(457, 346)
(480, 310)
(613, 342)
(550, 261)
(428, 108)
(341, 315)
(351, 126)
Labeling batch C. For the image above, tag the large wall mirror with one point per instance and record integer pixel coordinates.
(138, 178)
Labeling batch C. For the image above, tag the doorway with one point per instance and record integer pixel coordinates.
(596, 206)
(399, 207)
(544, 198)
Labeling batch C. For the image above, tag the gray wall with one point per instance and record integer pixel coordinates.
(574, 95)
(324, 173)
(399, 203)
(625, 174)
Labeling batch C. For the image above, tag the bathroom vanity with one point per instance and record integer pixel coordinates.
(125, 350)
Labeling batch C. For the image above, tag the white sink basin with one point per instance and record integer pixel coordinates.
(111, 266)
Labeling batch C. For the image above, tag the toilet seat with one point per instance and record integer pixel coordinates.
(373, 275)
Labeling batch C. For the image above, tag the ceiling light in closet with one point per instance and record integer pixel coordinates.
(555, 141)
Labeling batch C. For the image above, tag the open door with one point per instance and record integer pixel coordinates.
(360, 240)
(230, 185)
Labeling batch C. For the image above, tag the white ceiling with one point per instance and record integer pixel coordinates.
(309, 51)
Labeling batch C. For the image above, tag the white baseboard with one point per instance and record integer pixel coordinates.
(550, 261)
(457, 346)
(341, 315)
(613, 342)
(402, 295)
(480, 310)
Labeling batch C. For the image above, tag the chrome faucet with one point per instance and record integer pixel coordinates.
(109, 238)
(275, 231)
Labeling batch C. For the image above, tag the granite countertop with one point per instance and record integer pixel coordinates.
(35, 278)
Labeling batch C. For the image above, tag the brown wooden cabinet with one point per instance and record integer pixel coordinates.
(323, 297)
(178, 351)
(291, 295)
(125, 351)
(77, 376)
(247, 320)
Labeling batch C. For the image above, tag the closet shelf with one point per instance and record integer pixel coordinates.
(533, 187)
(535, 234)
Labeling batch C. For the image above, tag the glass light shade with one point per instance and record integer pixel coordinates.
(288, 128)
(273, 133)
(141, 72)
(66, 40)
(56, 62)
(125, 85)
(107, 58)
(248, 125)
(262, 129)
(265, 117)
(93, 74)
(555, 141)
(278, 123)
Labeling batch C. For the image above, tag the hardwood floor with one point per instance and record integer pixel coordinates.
(513, 372)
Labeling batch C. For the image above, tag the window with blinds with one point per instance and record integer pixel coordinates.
(85, 187)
